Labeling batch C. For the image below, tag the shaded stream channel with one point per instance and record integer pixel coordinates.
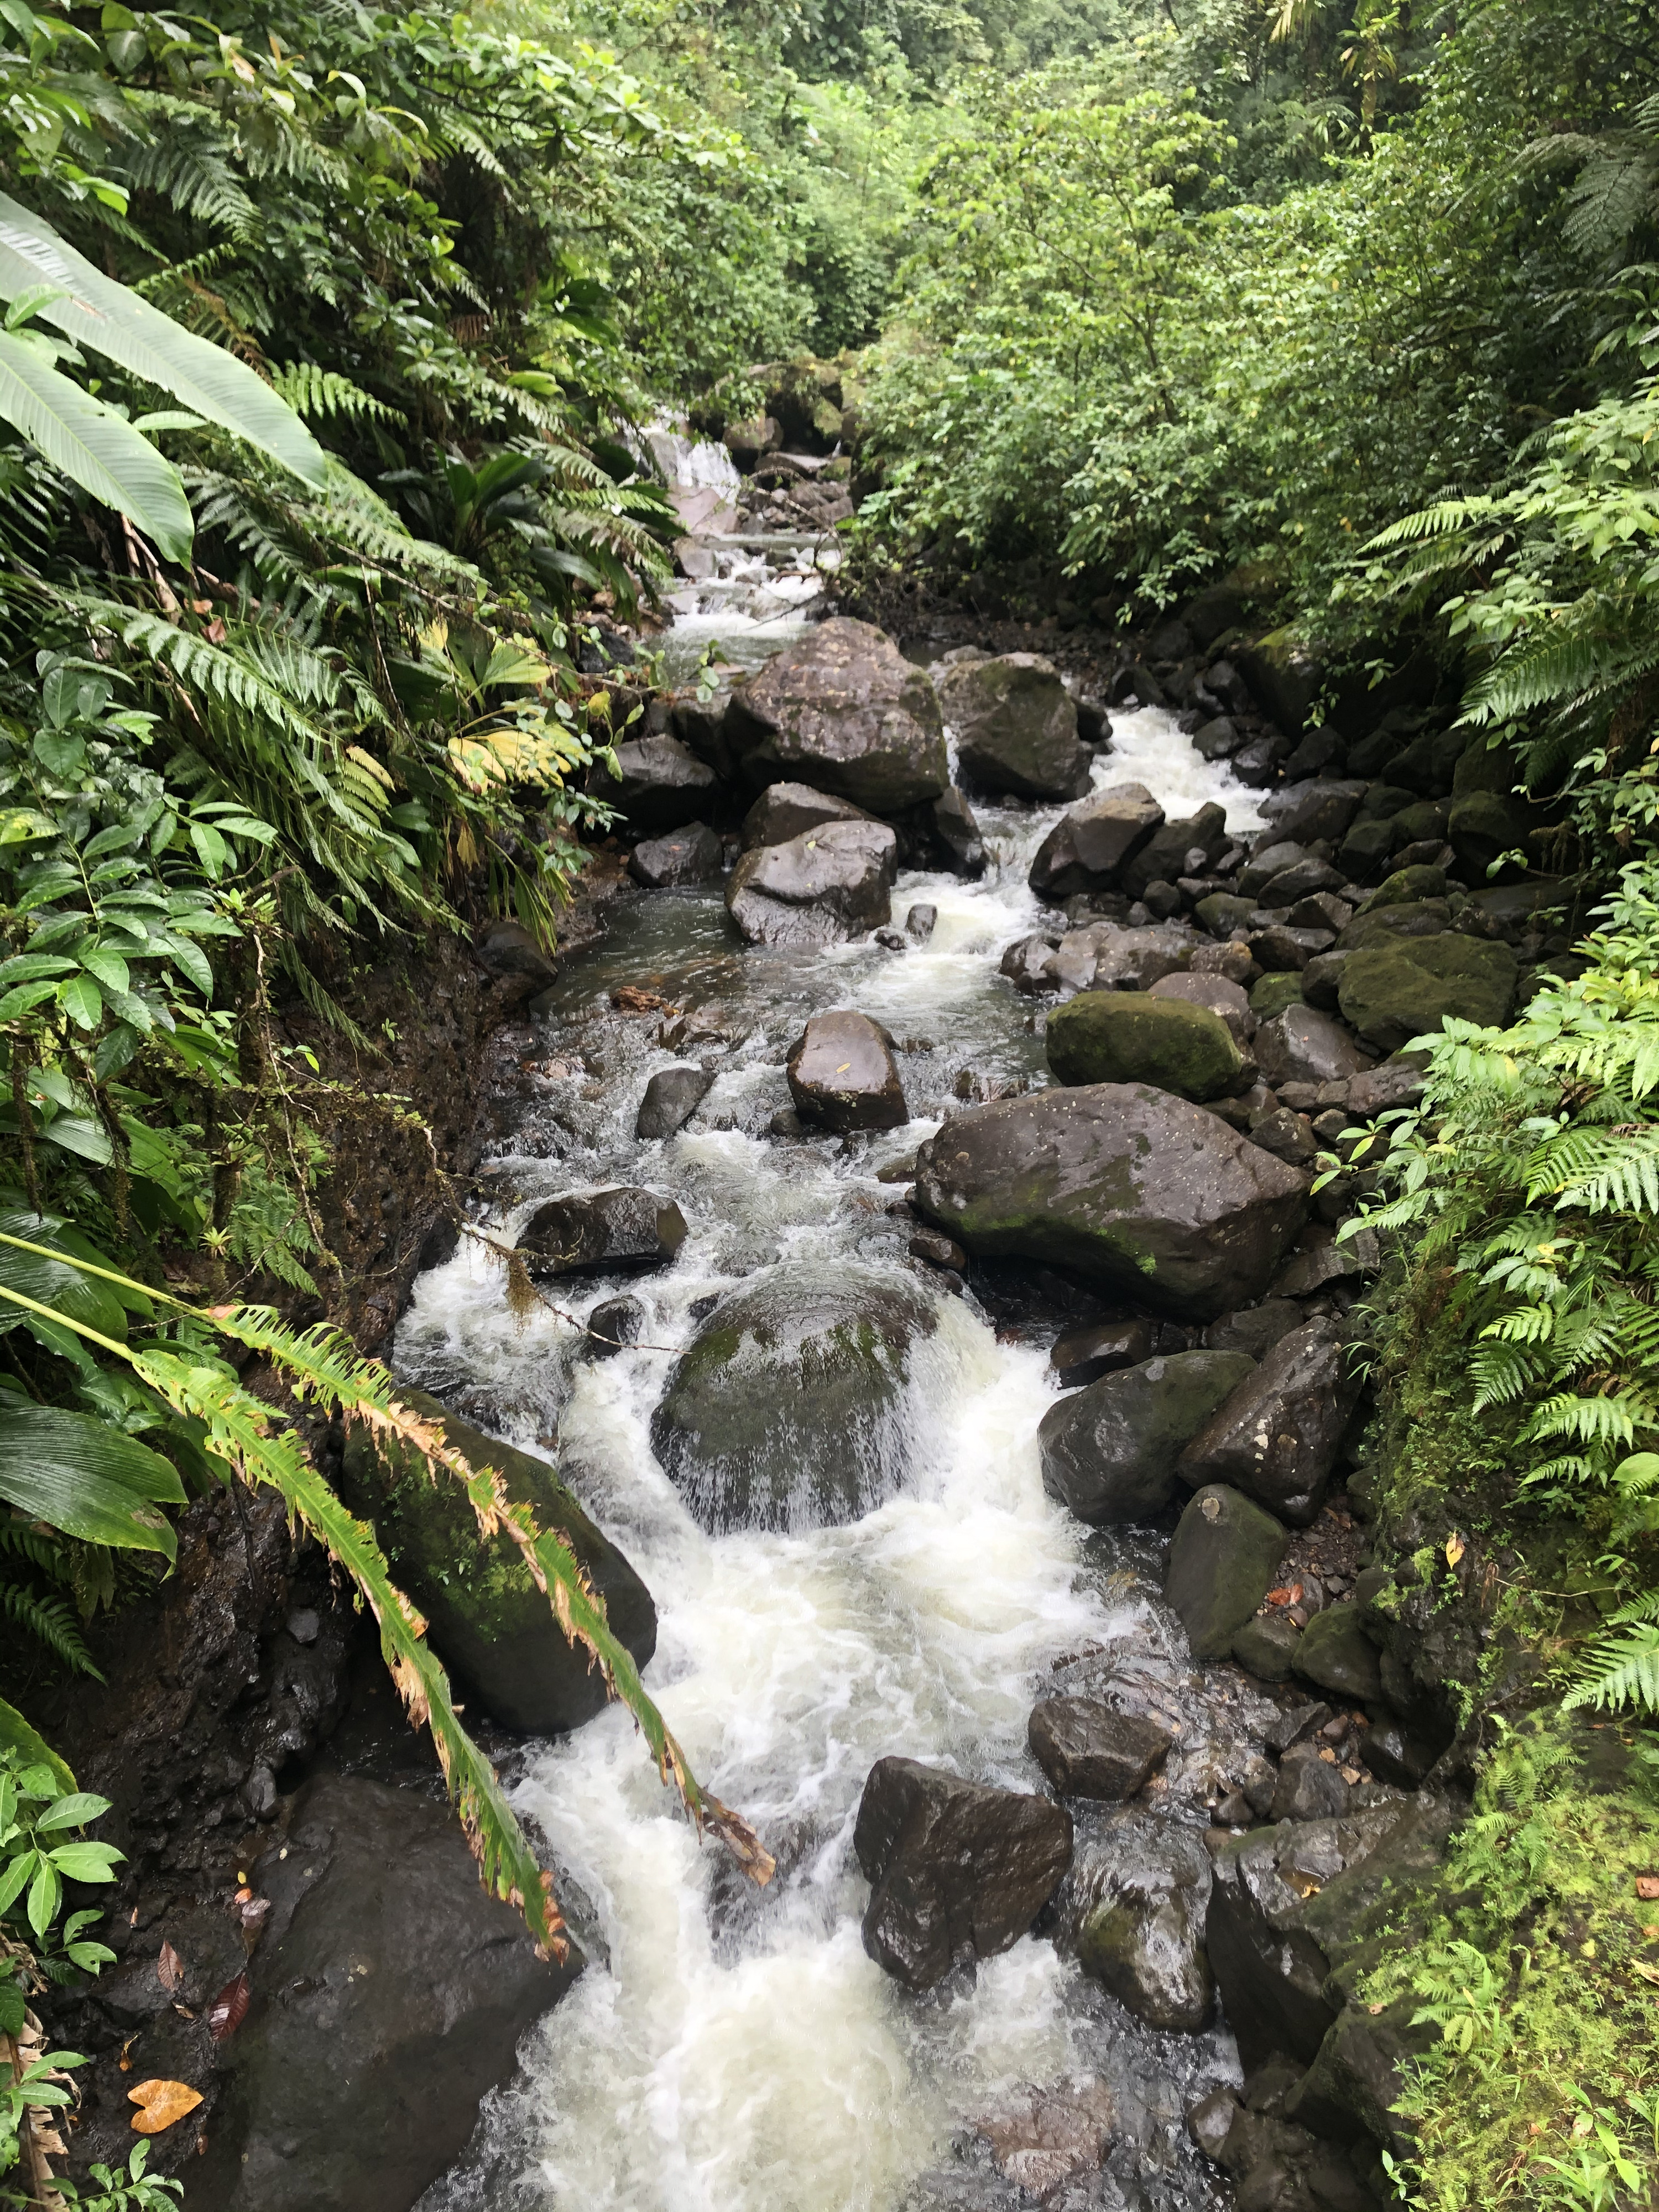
(735, 2048)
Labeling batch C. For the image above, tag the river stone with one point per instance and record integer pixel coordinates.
(1407, 886)
(1139, 1193)
(1129, 1036)
(1254, 1330)
(1276, 1439)
(1166, 853)
(824, 887)
(1029, 964)
(1224, 913)
(671, 1097)
(1144, 1941)
(487, 1619)
(1265, 1647)
(1105, 957)
(1232, 1001)
(958, 1869)
(1090, 843)
(1016, 727)
(612, 1325)
(1309, 1788)
(1108, 1452)
(784, 810)
(1272, 993)
(843, 1074)
(787, 1410)
(692, 855)
(844, 711)
(1089, 1750)
(1337, 1655)
(389, 1991)
(507, 948)
(1301, 1045)
(960, 844)
(663, 786)
(605, 1232)
(1392, 992)
(1083, 1355)
(1221, 1565)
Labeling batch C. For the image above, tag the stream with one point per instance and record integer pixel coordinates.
(733, 2050)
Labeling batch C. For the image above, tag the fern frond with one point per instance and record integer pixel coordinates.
(50, 1621)
(1620, 1670)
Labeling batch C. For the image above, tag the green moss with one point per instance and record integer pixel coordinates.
(1125, 1037)
(1270, 994)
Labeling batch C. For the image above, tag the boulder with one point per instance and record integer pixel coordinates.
(662, 785)
(1083, 1355)
(612, 1326)
(1265, 1647)
(1392, 992)
(1301, 1045)
(1396, 1083)
(843, 1074)
(1109, 1453)
(1232, 1001)
(844, 711)
(1166, 854)
(1276, 1438)
(623, 1230)
(787, 1409)
(1136, 1191)
(1105, 957)
(671, 1097)
(1221, 1565)
(955, 834)
(1270, 994)
(1254, 1330)
(1337, 1655)
(389, 1991)
(692, 855)
(1143, 1937)
(1090, 843)
(784, 810)
(1129, 1036)
(1089, 1750)
(1016, 727)
(1381, 926)
(1224, 914)
(1483, 825)
(487, 1619)
(824, 887)
(507, 949)
(957, 1871)
(1407, 887)
(1274, 854)
(1029, 964)
(1313, 813)
(1309, 1787)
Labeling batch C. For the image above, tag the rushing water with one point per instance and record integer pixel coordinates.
(735, 2049)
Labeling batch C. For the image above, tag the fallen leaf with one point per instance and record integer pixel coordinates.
(1456, 1548)
(1647, 1886)
(1328, 1754)
(228, 2009)
(124, 2062)
(160, 2103)
(1352, 1774)
(1374, 2009)
(170, 1968)
(1648, 1974)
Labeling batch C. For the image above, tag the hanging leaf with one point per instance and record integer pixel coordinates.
(89, 1480)
(160, 2103)
(95, 448)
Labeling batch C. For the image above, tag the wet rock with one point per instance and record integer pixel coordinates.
(1310, 1786)
(390, 1992)
(487, 1619)
(844, 711)
(1392, 992)
(1385, 925)
(937, 1251)
(1254, 1330)
(1275, 2165)
(1229, 1000)
(821, 887)
(1302, 879)
(1187, 847)
(1301, 1045)
(1083, 1355)
(671, 1097)
(1284, 951)
(786, 1411)
(1016, 727)
(956, 834)
(613, 1324)
(507, 948)
(844, 1076)
(1273, 994)
(1109, 1452)
(1222, 913)
(1042, 2139)
(662, 786)
(1106, 957)
(1396, 1083)
(1289, 1137)
(1276, 1439)
(1144, 1939)
(1090, 843)
(1130, 1036)
(784, 810)
(1029, 964)
(692, 855)
(622, 1230)
(958, 1869)
(920, 922)
(1221, 1565)
(1265, 1647)
(1135, 1191)
(1407, 886)
(1315, 813)
(1089, 1750)
(1336, 1654)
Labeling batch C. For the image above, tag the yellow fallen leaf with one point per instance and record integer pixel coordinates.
(1456, 1548)
(161, 2103)
(1648, 1974)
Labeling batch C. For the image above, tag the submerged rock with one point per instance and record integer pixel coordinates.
(1139, 1193)
(1016, 727)
(959, 1870)
(671, 1097)
(1088, 1749)
(844, 711)
(1109, 1452)
(1129, 1036)
(1139, 1910)
(843, 1074)
(626, 1229)
(786, 1411)
(821, 887)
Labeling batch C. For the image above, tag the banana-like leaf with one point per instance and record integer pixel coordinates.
(54, 1282)
(87, 1478)
(91, 445)
(112, 319)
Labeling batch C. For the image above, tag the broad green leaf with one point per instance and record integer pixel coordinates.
(108, 967)
(45, 1895)
(24, 999)
(94, 447)
(24, 967)
(63, 751)
(87, 1862)
(13, 1878)
(78, 1132)
(89, 1480)
(83, 1002)
(111, 320)
(16, 1733)
(68, 1290)
(74, 1810)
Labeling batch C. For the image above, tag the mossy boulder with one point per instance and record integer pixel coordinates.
(1337, 1655)
(1015, 727)
(1222, 1563)
(1406, 887)
(1109, 1451)
(488, 1621)
(1125, 1037)
(1394, 991)
(1145, 1940)
(1270, 994)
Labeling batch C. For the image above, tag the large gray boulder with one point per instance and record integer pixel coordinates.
(692, 855)
(1276, 1438)
(1229, 1000)
(1301, 1045)
(661, 786)
(1090, 841)
(1089, 1749)
(486, 1618)
(389, 1991)
(1105, 955)
(623, 1230)
(1109, 1451)
(1016, 727)
(1137, 1192)
(959, 1870)
(1137, 1899)
(843, 1074)
(784, 810)
(1166, 854)
(1221, 1565)
(844, 711)
(1129, 1036)
(824, 887)
(787, 1409)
